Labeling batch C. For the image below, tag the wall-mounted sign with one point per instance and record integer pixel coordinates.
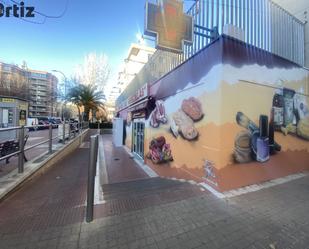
(23, 107)
(167, 22)
(7, 100)
(137, 96)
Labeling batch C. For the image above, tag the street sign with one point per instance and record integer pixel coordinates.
(167, 22)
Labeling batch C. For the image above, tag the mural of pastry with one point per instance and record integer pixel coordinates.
(158, 115)
(242, 151)
(193, 108)
(174, 128)
(159, 151)
(185, 125)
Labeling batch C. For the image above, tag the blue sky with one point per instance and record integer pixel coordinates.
(102, 26)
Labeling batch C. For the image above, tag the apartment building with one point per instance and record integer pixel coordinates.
(42, 94)
(138, 56)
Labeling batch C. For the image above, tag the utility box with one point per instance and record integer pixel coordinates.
(118, 132)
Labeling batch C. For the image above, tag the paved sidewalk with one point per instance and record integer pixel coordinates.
(120, 166)
(150, 213)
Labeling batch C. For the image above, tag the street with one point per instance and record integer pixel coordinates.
(34, 138)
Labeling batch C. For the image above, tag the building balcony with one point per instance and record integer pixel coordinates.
(36, 88)
(33, 104)
(44, 84)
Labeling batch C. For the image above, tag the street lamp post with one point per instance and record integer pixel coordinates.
(65, 89)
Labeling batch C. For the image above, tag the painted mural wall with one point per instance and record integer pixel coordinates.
(231, 116)
(181, 134)
(265, 123)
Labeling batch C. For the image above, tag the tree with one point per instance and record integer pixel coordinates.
(74, 95)
(86, 96)
(101, 114)
(95, 71)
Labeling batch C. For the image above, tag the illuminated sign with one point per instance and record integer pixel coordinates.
(167, 22)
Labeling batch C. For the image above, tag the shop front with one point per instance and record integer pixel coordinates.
(13, 112)
(232, 115)
(138, 134)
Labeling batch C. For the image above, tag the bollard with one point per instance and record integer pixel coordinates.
(21, 149)
(63, 132)
(91, 177)
(96, 153)
(50, 141)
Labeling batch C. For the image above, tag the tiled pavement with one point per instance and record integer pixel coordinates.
(48, 213)
(120, 166)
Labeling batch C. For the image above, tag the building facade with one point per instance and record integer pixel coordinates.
(138, 56)
(299, 9)
(232, 111)
(14, 81)
(42, 94)
(38, 88)
(13, 112)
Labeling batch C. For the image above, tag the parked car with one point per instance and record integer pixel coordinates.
(57, 120)
(43, 121)
(54, 121)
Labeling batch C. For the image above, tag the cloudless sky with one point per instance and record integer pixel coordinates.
(102, 26)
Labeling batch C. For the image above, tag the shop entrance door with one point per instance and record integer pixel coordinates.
(138, 138)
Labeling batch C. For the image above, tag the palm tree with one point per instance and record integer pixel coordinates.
(74, 97)
(87, 96)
